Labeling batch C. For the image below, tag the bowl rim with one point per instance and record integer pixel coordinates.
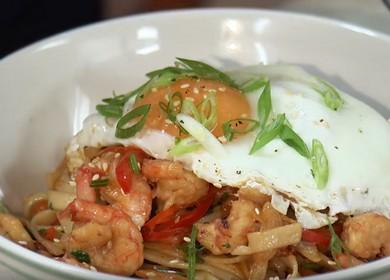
(52, 266)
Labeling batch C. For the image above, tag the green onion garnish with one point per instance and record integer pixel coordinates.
(229, 129)
(264, 105)
(184, 146)
(208, 111)
(134, 164)
(291, 138)
(122, 131)
(192, 254)
(81, 256)
(99, 183)
(203, 70)
(330, 95)
(319, 163)
(188, 107)
(269, 133)
(336, 245)
(253, 85)
(110, 110)
(172, 109)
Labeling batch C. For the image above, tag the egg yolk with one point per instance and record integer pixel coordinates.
(230, 104)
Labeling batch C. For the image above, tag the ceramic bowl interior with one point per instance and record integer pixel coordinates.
(47, 89)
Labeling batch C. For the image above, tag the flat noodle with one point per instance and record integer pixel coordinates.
(53, 248)
(30, 201)
(309, 251)
(269, 218)
(258, 269)
(271, 239)
(162, 259)
(46, 217)
(60, 200)
(224, 260)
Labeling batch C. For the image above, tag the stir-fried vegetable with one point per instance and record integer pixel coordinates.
(172, 224)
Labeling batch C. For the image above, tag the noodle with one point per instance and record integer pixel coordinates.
(162, 259)
(258, 270)
(44, 218)
(54, 248)
(271, 239)
(59, 200)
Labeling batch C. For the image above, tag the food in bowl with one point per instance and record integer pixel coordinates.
(265, 171)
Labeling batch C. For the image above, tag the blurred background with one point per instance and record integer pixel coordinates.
(25, 21)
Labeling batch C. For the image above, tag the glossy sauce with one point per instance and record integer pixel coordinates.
(231, 103)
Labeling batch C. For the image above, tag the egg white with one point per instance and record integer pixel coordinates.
(356, 140)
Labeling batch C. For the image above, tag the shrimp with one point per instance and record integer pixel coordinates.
(367, 235)
(136, 202)
(175, 186)
(12, 227)
(223, 235)
(112, 241)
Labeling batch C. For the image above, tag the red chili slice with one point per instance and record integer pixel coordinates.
(172, 224)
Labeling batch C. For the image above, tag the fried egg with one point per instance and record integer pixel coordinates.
(355, 138)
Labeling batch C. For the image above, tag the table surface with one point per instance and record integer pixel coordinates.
(372, 14)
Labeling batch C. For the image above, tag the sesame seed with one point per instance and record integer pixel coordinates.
(204, 96)
(56, 240)
(72, 183)
(117, 155)
(151, 274)
(154, 89)
(331, 262)
(244, 115)
(174, 261)
(104, 166)
(95, 177)
(22, 242)
(222, 89)
(177, 219)
(185, 86)
(91, 165)
(257, 211)
(168, 121)
(190, 99)
(195, 90)
(166, 97)
(176, 103)
(187, 239)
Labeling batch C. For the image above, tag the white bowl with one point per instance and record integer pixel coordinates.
(48, 88)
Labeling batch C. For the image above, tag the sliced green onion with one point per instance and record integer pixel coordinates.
(319, 163)
(122, 132)
(189, 108)
(253, 85)
(192, 254)
(264, 105)
(170, 109)
(291, 138)
(99, 182)
(81, 256)
(206, 71)
(229, 131)
(134, 164)
(330, 95)
(110, 110)
(184, 146)
(269, 133)
(208, 111)
(336, 245)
